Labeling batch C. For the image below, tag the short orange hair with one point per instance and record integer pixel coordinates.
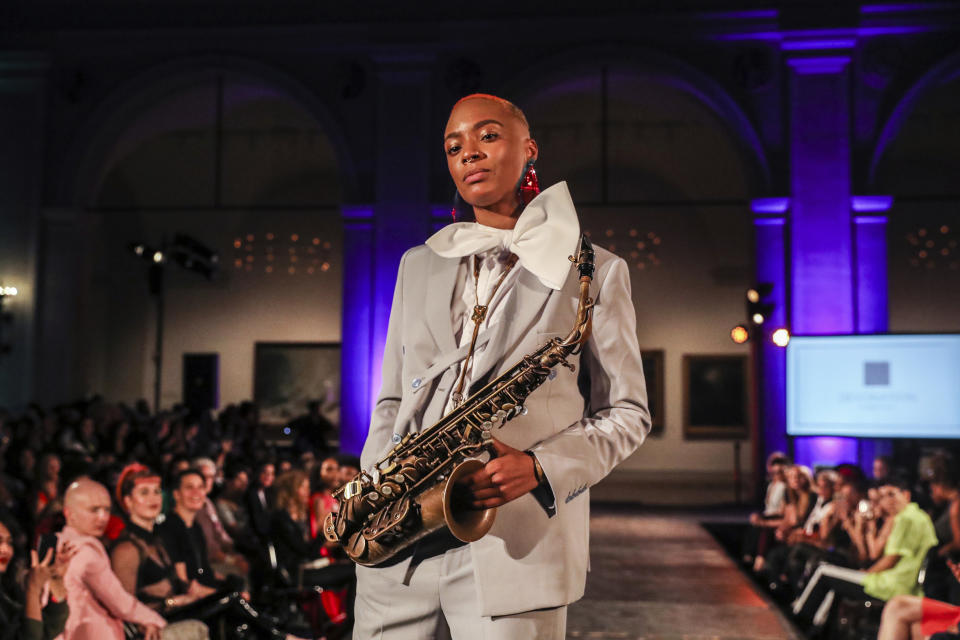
(514, 110)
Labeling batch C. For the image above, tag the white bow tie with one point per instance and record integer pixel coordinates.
(545, 235)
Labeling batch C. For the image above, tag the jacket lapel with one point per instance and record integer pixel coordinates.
(438, 295)
(524, 307)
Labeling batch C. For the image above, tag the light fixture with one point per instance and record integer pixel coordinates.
(781, 337)
(10, 292)
(753, 295)
(739, 334)
(757, 318)
(158, 256)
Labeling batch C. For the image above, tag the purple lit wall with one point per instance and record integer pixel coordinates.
(356, 361)
(825, 450)
(770, 235)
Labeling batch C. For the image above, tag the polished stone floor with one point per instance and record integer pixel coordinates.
(661, 576)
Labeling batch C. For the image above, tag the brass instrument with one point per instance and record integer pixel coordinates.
(415, 490)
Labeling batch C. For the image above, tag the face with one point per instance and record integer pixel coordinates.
(209, 476)
(90, 512)
(824, 487)
(892, 500)
(347, 473)
(145, 501)
(6, 548)
(330, 473)
(303, 492)
(307, 461)
(240, 482)
(487, 148)
(793, 478)
(191, 494)
(267, 476)
(52, 466)
(879, 469)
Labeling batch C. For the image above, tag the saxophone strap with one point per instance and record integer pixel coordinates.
(479, 314)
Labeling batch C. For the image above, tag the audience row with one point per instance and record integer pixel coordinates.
(839, 539)
(177, 525)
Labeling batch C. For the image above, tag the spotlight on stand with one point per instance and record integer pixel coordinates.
(186, 252)
(739, 334)
(781, 337)
(758, 308)
(5, 317)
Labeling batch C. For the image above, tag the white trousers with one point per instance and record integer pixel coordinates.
(440, 603)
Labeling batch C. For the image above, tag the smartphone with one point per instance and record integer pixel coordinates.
(47, 541)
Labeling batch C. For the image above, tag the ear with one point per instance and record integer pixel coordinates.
(533, 151)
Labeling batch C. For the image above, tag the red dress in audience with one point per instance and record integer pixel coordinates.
(938, 616)
(334, 602)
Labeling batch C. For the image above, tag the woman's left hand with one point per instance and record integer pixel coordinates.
(505, 478)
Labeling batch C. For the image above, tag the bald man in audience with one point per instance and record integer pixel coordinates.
(98, 602)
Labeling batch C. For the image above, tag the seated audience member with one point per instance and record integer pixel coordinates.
(312, 432)
(46, 489)
(147, 570)
(895, 573)
(181, 533)
(326, 480)
(231, 509)
(799, 502)
(98, 602)
(882, 466)
(177, 465)
(905, 617)
(773, 505)
(289, 525)
(296, 547)
(220, 547)
(260, 500)
(23, 613)
(349, 468)
(939, 584)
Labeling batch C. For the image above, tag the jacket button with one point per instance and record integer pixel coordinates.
(416, 383)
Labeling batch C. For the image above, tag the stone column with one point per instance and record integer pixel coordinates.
(837, 257)
(22, 92)
(821, 243)
(770, 217)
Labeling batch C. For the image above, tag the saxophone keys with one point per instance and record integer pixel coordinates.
(389, 469)
(486, 426)
(351, 489)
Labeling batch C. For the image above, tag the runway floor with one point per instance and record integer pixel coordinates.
(660, 575)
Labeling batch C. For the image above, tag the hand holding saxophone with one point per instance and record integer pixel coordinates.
(506, 477)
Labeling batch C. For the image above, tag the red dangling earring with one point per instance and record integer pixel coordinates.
(529, 186)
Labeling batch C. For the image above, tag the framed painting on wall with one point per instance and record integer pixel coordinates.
(653, 376)
(289, 375)
(715, 397)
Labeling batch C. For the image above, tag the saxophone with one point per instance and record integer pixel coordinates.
(417, 489)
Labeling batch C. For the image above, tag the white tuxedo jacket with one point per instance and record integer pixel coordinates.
(579, 432)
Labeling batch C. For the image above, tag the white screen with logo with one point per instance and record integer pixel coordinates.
(885, 386)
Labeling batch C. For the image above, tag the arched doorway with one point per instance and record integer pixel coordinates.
(234, 157)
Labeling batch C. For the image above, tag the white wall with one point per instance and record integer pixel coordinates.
(227, 316)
